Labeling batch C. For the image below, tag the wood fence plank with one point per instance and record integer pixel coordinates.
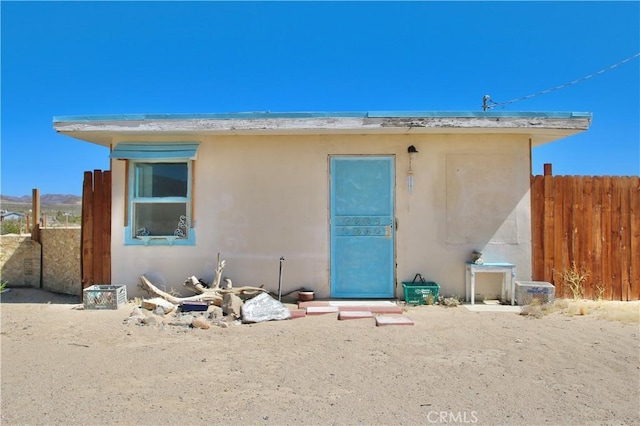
(106, 227)
(37, 215)
(576, 224)
(586, 246)
(86, 262)
(97, 226)
(616, 263)
(548, 228)
(606, 238)
(596, 240)
(537, 215)
(567, 238)
(625, 237)
(634, 213)
(559, 231)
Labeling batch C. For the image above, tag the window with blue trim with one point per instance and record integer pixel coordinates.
(159, 193)
(160, 200)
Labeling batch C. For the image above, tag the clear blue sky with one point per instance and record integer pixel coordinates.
(86, 58)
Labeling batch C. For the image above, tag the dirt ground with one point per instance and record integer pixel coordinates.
(64, 365)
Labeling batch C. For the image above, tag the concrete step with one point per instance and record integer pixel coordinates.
(393, 320)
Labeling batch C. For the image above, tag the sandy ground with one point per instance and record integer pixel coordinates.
(62, 365)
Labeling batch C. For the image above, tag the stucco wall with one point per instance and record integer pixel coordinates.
(20, 261)
(261, 197)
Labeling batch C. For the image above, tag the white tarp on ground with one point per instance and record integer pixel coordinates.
(264, 308)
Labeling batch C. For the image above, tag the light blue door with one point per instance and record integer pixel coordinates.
(362, 234)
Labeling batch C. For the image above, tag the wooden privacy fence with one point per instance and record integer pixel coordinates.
(96, 228)
(592, 223)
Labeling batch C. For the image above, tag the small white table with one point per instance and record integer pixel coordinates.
(508, 281)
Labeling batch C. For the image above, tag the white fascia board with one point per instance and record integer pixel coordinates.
(103, 131)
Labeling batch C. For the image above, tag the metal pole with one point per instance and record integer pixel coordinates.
(280, 280)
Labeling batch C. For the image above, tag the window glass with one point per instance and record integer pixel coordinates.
(160, 219)
(161, 179)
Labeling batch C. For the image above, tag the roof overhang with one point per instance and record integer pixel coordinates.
(541, 127)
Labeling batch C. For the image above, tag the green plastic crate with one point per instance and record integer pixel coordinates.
(416, 293)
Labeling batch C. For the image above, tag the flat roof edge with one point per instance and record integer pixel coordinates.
(310, 115)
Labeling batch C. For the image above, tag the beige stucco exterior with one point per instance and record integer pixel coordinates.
(261, 197)
(262, 191)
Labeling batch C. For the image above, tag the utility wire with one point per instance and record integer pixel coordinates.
(487, 103)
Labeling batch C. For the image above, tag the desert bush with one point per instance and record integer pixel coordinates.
(600, 292)
(574, 279)
(538, 310)
(625, 312)
(451, 301)
(10, 227)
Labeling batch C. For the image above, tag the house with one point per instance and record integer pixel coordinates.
(6, 215)
(356, 203)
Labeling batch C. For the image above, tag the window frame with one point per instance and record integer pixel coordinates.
(137, 153)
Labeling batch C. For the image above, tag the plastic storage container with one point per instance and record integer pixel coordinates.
(104, 296)
(420, 292)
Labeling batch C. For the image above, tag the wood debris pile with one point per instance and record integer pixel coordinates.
(216, 304)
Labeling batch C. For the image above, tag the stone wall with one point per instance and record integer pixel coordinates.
(20, 261)
(56, 260)
(61, 260)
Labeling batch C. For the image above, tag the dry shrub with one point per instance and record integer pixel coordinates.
(428, 299)
(625, 312)
(537, 310)
(532, 311)
(574, 279)
(450, 302)
(600, 291)
(627, 316)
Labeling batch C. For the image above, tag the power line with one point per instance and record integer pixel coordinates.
(487, 103)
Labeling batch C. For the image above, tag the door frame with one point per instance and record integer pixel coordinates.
(394, 220)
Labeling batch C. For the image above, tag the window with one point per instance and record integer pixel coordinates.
(160, 200)
(159, 195)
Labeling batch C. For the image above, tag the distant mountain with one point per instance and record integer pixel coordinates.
(45, 199)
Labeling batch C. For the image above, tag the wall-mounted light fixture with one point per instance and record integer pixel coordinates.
(410, 178)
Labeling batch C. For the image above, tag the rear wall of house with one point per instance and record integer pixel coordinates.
(258, 198)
